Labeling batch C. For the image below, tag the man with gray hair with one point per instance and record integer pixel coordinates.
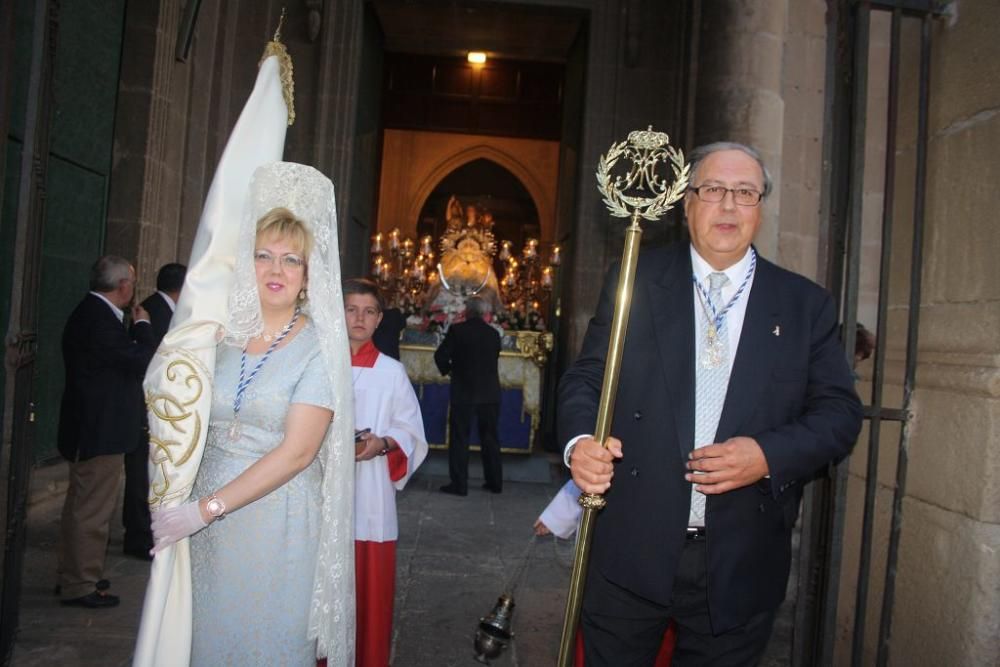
(734, 392)
(102, 417)
(469, 353)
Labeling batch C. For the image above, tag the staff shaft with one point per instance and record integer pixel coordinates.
(609, 387)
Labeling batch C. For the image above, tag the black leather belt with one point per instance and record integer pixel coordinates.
(696, 532)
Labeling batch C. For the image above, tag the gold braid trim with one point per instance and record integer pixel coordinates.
(276, 48)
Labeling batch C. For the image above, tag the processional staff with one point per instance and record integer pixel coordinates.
(641, 192)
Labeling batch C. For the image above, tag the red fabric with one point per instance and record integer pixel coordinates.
(398, 464)
(662, 658)
(366, 356)
(375, 579)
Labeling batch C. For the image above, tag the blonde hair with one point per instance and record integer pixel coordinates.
(282, 223)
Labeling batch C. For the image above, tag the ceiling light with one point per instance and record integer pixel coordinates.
(477, 57)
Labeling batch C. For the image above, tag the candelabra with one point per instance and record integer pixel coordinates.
(403, 270)
(410, 274)
(527, 283)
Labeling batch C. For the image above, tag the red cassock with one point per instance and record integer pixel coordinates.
(662, 658)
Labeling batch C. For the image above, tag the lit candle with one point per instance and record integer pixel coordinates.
(377, 243)
(547, 277)
(530, 248)
(555, 259)
(394, 239)
(425, 245)
(504, 251)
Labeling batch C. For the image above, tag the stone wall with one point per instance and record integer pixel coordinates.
(802, 91)
(947, 600)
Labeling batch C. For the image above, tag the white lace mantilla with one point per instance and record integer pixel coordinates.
(310, 196)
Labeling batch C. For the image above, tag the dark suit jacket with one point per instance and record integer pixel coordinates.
(159, 315)
(470, 352)
(102, 411)
(386, 336)
(792, 391)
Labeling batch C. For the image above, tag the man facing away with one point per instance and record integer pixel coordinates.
(469, 353)
(389, 447)
(160, 305)
(734, 392)
(101, 418)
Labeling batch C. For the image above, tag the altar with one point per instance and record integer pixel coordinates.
(521, 369)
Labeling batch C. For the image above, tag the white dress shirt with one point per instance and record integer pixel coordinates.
(170, 302)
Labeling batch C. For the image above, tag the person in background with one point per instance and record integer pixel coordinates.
(138, 539)
(390, 446)
(101, 419)
(386, 336)
(162, 303)
(470, 353)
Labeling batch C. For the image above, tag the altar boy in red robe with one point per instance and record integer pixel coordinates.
(390, 444)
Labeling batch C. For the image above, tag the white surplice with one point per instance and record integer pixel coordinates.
(385, 402)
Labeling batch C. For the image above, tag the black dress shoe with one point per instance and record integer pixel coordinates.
(491, 488)
(453, 490)
(101, 585)
(93, 600)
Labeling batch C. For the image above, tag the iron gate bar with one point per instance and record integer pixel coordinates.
(21, 343)
(878, 375)
(912, 335)
(855, 210)
(825, 517)
(821, 521)
(886, 414)
(862, 30)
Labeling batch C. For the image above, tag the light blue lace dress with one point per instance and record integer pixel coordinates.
(252, 572)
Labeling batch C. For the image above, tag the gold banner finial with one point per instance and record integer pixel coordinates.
(643, 189)
(281, 23)
(276, 48)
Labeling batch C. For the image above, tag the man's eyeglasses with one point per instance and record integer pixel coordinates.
(288, 261)
(713, 194)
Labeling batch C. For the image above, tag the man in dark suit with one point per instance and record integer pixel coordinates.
(734, 392)
(162, 302)
(101, 418)
(138, 539)
(469, 353)
(386, 336)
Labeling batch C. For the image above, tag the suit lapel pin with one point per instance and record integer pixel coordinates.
(777, 330)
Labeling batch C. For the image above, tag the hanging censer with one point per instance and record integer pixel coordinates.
(494, 632)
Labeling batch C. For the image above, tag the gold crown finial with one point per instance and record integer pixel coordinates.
(281, 23)
(276, 48)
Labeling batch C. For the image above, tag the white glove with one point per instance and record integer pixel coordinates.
(174, 524)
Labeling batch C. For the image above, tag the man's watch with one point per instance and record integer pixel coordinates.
(216, 507)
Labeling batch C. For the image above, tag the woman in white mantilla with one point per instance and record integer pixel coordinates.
(270, 515)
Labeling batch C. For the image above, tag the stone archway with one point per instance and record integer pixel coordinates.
(455, 162)
(414, 163)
